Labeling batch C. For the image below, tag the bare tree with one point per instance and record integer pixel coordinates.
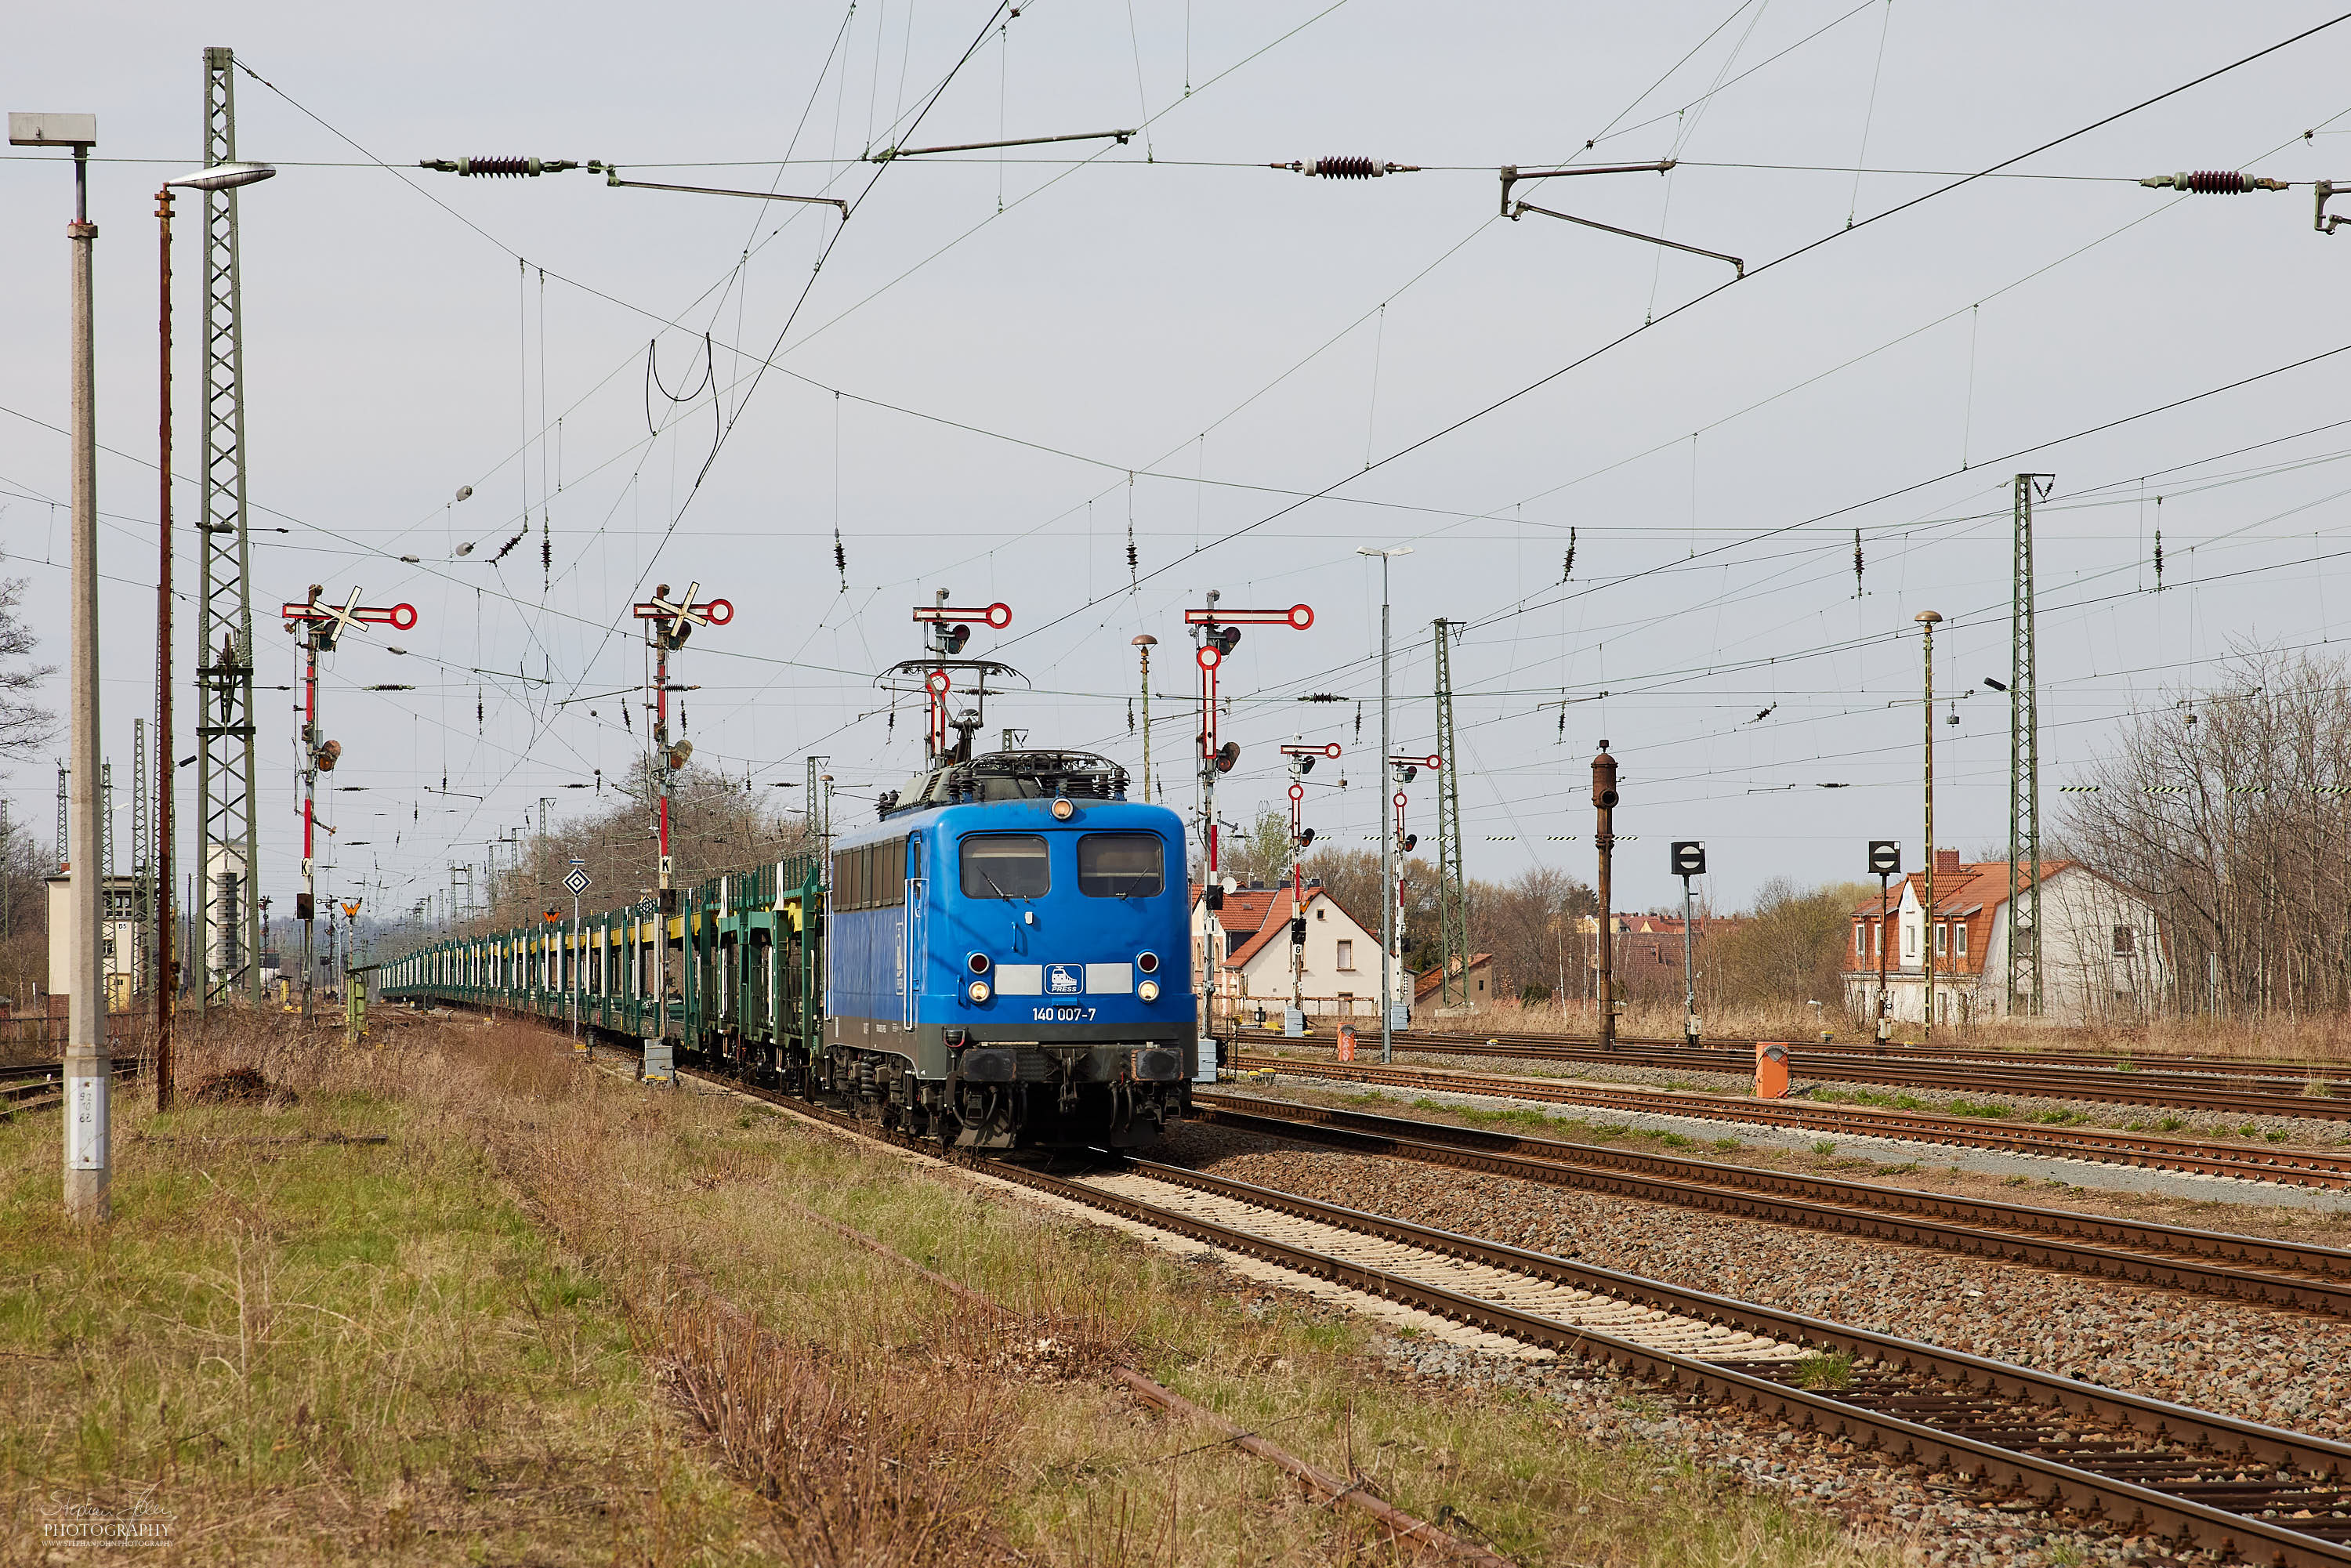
(1531, 926)
(1789, 950)
(24, 726)
(2226, 814)
(716, 824)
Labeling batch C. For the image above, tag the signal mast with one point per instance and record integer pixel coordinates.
(946, 631)
(1402, 770)
(667, 626)
(320, 625)
(1217, 632)
(1303, 759)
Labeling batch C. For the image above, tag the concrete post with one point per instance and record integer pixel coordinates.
(88, 1133)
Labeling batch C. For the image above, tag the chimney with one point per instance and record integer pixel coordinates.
(1946, 862)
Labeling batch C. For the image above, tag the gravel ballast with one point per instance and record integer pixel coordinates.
(2260, 1363)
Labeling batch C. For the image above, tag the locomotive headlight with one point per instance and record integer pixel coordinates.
(1064, 809)
(978, 991)
(1148, 990)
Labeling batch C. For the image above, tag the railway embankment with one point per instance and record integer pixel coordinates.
(460, 1296)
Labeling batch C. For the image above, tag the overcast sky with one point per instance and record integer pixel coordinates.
(1004, 364)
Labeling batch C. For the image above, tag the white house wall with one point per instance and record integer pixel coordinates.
(1265, 978)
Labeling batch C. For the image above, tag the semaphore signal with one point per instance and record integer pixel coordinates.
(320, 624)
(1217, 632)
(668, 624)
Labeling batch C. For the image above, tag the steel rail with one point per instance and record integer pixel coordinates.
(40, 1086)
(2285, 1069)
(2046, 1478)
(2225, 1439)
(2138, 1087)
(2299, 1167)
(2208, 1262)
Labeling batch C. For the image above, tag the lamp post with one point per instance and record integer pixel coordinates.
(220, 177)
(1387, 835)
(86, 1065)
(1927, 621)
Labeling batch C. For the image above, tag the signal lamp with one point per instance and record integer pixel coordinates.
(1227, 639)
(977, 963)
(1064, 809)
(1147, 962)
(978, 991)
(1227, 754)
(1148, 990)
(328, 755)
(1305, 837)
(1410, 840)
(956, 638)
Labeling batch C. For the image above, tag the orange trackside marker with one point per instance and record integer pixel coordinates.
(1347, 1042)
(1771, 1070)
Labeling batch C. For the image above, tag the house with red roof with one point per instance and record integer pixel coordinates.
(1337, 974)
(2102, 951)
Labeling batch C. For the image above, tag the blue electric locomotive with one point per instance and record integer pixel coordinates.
(1007, 957)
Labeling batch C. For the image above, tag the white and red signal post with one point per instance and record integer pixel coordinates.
(949, 628)
(320, 624)
(668, 624)
(1217, 632)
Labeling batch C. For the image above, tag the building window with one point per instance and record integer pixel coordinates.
(1879, 939)
(1942, 938)
(1959, 938)
(1860, 939)
(1346, 954)
(2125, 942)
(1909, 941)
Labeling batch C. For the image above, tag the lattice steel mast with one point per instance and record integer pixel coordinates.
(2024, 991)
(224, 728)
(1452, 923)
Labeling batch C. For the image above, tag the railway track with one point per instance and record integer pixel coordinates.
(40, 1085)
(2251, 1162)
(2208, 1262)
(1523, 1043)
(2317, 1096)
(2194, 1477)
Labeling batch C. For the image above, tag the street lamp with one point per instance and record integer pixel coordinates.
(87, 1066)
(220, 177)
(1387, 834)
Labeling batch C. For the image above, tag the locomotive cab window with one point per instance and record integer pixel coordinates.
(1005, 865)
(1122, 865)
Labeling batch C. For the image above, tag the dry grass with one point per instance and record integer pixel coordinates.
(463, 1343)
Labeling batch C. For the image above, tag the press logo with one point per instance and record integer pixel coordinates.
(87, 1518)
(1061, 980)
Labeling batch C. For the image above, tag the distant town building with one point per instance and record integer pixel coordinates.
(1477, 986)
(2101, 953)
(1647, 956)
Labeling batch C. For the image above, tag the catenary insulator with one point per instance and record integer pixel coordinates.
(1347, 168)
(506, 167)
(2214, 182)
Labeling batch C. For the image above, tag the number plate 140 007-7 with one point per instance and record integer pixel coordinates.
(1060, 1014)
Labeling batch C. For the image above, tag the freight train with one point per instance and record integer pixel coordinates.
(1000, 959)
